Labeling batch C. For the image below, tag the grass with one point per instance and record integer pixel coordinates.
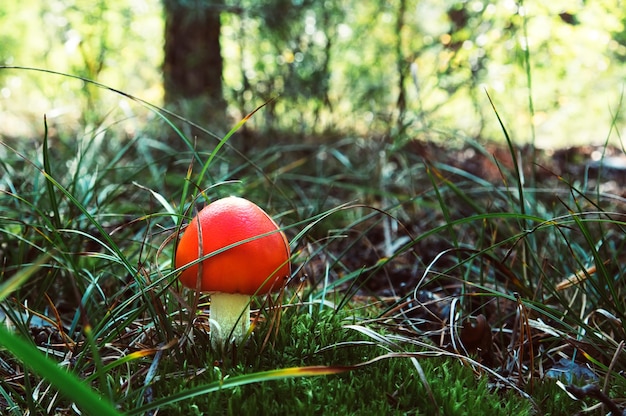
(320, 339)
(422, 283)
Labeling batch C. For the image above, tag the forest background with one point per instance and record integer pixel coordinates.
(407, 69)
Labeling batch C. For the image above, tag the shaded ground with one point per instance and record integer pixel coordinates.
(432, 274)
(588, 169)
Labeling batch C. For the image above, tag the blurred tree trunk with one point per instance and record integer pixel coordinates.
(401, 65)
(192, 65)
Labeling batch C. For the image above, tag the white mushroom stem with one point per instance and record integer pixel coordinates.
(230, 318)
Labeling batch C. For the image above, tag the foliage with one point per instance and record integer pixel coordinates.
(394, 68)
(108, 41)
(389, 297)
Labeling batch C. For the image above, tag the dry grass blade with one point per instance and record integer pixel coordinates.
(576, 278)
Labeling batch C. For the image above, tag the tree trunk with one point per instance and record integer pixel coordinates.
(192, 66)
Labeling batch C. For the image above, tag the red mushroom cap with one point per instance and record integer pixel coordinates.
(244, 268)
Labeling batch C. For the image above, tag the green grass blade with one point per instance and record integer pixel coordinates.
(15, 282)
(242, 380)
(56, 218)
(68, 384)
(10, 404)
(225, 139)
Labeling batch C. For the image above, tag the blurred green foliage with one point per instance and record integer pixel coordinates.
(113, 42)
(400, 68)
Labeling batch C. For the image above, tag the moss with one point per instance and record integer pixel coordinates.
(389, 386)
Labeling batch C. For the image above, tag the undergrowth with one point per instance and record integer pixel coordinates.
(424, 282)
(320, 339)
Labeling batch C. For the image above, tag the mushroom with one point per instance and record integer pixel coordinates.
(254, 257)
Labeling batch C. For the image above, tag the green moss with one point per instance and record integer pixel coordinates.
(389, 386)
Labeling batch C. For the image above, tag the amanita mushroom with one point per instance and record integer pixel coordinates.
(257, 258)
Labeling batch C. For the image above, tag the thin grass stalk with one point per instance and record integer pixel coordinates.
(56, 218)
(65, 382)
